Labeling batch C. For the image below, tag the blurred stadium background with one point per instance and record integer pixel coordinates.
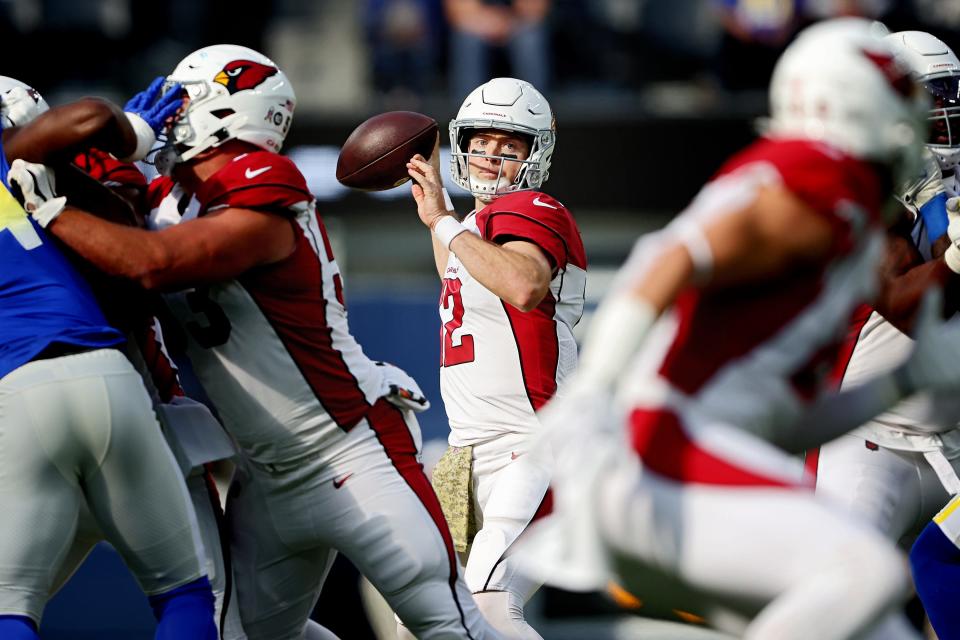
(650, 96)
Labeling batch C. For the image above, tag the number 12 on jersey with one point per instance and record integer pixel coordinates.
(450, 300)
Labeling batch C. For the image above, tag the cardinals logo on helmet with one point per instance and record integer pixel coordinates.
(893, 71)
(243, 74)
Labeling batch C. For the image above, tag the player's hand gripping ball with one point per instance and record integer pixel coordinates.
(374, 157)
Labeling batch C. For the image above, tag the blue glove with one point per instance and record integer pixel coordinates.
(934, 214)
(155, 107)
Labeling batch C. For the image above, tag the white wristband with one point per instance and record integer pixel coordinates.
(145, 137)
(952, 257)
(447, 202)
(446, 229)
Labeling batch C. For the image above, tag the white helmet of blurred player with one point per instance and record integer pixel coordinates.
(839, 82)
(19, 103)
(233, 93)
(510, 105)
(937, 68)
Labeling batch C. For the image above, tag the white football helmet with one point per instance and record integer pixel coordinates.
(937, 68)
(506, 104)
(233, 93)
(19, 103)
(839, 82)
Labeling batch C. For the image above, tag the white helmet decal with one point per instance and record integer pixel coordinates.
(234, 93)
(509, 105)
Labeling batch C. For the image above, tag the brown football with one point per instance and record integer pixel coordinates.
(374, 157)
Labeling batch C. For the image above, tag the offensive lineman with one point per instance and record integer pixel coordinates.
(513, 274)
(331, 461)
(738, 307)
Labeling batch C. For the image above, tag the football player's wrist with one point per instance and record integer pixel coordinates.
(446, 228)
(144, 134)
(49, 210)
(952, 257)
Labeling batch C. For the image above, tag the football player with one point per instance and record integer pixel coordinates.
(715, 347)
(127, 309)
(330, 443)
(897, 469)
(77, 424)
(513, 272)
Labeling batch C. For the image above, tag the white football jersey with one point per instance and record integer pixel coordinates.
(272, 347)
(499, 365)
(880, 346)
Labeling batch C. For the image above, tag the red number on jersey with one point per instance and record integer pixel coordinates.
(450, 299)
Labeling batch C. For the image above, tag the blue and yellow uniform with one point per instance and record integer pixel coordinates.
(43, 300)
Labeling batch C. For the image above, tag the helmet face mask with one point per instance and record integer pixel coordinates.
(937, 69)
(509, 106)
(944, 140)
(231, 93)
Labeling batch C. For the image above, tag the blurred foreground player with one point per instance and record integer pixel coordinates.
(76, 423)
(330, 446)
(739, 305)
(513, 274)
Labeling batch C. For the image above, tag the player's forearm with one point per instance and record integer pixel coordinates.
(645, 286)
(117, 250)
(838, 413)
(440, 255)
(66, 130)
(510, 275)
(900, 296)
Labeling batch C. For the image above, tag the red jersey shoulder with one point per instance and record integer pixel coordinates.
(107, 169)
(822, 176)
(538, 218)
(257, 180)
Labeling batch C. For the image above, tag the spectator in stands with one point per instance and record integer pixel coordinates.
(482, 28)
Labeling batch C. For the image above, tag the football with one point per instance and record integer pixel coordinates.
(374, 157)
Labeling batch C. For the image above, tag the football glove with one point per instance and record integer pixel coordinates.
(148, 113)
(35, 186)
(400, 389)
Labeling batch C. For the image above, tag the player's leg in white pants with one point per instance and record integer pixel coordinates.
(807, 571)
(895, 491)
(206, 508)
(507, 493)
(82, 426)
(370, 500)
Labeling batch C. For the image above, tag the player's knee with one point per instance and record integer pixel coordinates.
(18, 628)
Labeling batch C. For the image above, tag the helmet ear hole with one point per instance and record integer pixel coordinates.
(222, 113)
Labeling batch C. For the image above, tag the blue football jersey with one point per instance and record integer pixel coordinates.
(43, 299)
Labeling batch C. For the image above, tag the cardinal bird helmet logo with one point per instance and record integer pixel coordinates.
(240, 75)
